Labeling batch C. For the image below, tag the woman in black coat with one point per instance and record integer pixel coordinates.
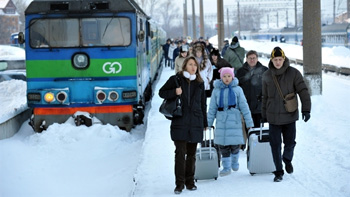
(187, 131)
(219, 62)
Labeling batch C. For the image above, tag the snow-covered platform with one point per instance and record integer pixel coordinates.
(10, 127)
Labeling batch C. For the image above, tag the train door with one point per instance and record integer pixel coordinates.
(348, 36)
(142, 71)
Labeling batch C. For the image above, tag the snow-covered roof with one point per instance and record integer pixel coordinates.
(3, 3)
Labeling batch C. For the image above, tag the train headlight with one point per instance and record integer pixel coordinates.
(49, 97)
(80, 60)
(101, 96)
(113, 96)
(61, 97)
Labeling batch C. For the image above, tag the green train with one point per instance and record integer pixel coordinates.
(95, 57)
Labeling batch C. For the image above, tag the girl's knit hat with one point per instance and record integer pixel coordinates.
(226, 70)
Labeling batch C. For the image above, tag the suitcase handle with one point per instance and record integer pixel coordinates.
(261, 126)
(205, 139)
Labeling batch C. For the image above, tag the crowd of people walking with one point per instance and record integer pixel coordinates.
(243, 94)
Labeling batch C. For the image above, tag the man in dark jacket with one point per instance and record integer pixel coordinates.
(282, 122)
(250, 79)
(166, 51)
(235, 54)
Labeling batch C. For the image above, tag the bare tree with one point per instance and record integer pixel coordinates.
(249, 18)
(168, 13)
(148, 6)
(152, 7)
(21, 6)
(142, 3)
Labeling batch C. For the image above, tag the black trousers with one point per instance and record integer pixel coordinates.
(288, 132)
(256, 120)
(185, 160)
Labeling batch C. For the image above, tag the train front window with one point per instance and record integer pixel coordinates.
(47, 33)
(106, 32)
(74, 32)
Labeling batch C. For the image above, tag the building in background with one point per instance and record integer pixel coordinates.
(9, 20)
(342, 18)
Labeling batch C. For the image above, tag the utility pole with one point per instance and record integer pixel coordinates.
(201, 18)
(193, 22)
(296, 21)
(239, 20)
(348, 8)
(185, 30)
(221, 27)
(287, 17)
(333, 11)
(312, 56)
(228, 23)
(277, 18)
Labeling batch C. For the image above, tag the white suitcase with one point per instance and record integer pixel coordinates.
(259, 155)
(206, 161)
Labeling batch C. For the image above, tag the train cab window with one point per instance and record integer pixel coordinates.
(48, 33)
(75, 32)
(106, 32)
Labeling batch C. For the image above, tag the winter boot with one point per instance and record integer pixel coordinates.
(226, 163)
(289, 166)
(234, 159)
(278, 176)
(178, 189)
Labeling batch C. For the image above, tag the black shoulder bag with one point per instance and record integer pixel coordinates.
(171, 108)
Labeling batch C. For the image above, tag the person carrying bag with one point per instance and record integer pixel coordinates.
(172, 107)
(187, 130)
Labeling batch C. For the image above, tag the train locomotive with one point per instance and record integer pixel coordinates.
(95, 57)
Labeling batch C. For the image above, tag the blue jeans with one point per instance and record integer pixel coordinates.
(288, 132)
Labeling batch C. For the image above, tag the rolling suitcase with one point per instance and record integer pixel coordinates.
(259, 155)
(205, 143)
(206, 161)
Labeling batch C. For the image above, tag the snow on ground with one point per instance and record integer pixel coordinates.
(102, 160)
(66, 160)
(338, 56)
(11, 53)
(321, 154)
(12, 98)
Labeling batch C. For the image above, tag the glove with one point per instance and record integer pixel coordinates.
(306, 116)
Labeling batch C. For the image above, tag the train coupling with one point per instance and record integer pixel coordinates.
(82, 119)
(43, 126)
